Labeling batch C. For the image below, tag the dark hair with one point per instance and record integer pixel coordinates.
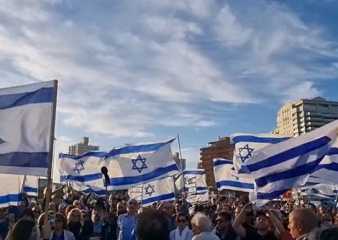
(62, 218)
(181, 215)
(224, 215)
(152, 225)
(22, 230)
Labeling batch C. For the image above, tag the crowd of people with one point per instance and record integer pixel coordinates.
(83, 217)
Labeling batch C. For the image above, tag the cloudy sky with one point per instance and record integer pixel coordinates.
(143, 71)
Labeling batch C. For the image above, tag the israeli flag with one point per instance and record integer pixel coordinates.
(227, 178)
(327, 170)
(25, 128)
(30, 186)
(87, 189)
(194, 181)
(159, 190)
(198, 197)
(280, 167)
(11, 190)
(127, 166)
(320, 192)
(246, 144)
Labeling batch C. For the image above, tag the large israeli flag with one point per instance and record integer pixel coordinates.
(11, 190)
(280, 167)
(227, 178)
(30, 185)
(127, 166)
(246, 144)
(159, 190)
(25, 128)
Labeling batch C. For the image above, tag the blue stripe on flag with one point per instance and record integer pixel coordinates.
(257, 139)
(330, 166)
(81, 178)
(30, 189)
(145, 177)
(289, 154)
(42, 95)
(198, 189)
(87, 154)
(138, 148)
(11, 198)
(235, 184)
(24, 159)
(271, 195)
(294, 172)
(333, 151)
(98, 192)
(195, 172)
(222, 162)
(159, 198)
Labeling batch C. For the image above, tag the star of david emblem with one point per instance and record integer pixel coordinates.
(79, 166)
(139, 163)
(1, 141)
(245, 152)
(149, 190)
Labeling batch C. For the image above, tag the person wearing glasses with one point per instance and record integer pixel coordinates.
(182, 232)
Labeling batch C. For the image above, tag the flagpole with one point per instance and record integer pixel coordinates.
(181, 160)
(51, 152)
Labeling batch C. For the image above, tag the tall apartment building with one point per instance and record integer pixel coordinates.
(82, 147)
(305, 115)
(217, 149)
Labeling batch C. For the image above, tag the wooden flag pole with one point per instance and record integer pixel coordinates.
(51, 153)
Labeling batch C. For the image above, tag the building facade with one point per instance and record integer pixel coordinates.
(305, 115)
(222, 148)
(82, 147)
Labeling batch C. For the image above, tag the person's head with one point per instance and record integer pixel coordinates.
(181, 221)
(200, 223)
(302, 221)
(223, 221)
(74, 216)
(263, 222)
(336, 219)
(28, 214)
(60, 222)
(132, 206)
(24, 229)
(178, 207)
(121, 208)
(76, 204)
(52, 207)
(152, 225)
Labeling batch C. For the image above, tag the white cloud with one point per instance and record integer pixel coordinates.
(122, 77)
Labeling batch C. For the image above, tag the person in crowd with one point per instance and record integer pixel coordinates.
(87, 228)
(224, 228)
(182, 232)
(74, 222)
(335, 220)
(127, 222)
(4, 224)
(169, 214)
(59, 232)
(23, 229)
(303, 224)
(202, 227)
(152, 225)
(121, 208)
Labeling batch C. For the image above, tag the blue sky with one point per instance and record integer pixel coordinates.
(143, 71)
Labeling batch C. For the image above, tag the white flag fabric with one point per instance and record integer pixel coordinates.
(246, 144)
(11, 190)
(227, 178)
(26, 117)
(127, 166)
(320, 191)
(159, 190)
(280, 167)
(30, 186)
